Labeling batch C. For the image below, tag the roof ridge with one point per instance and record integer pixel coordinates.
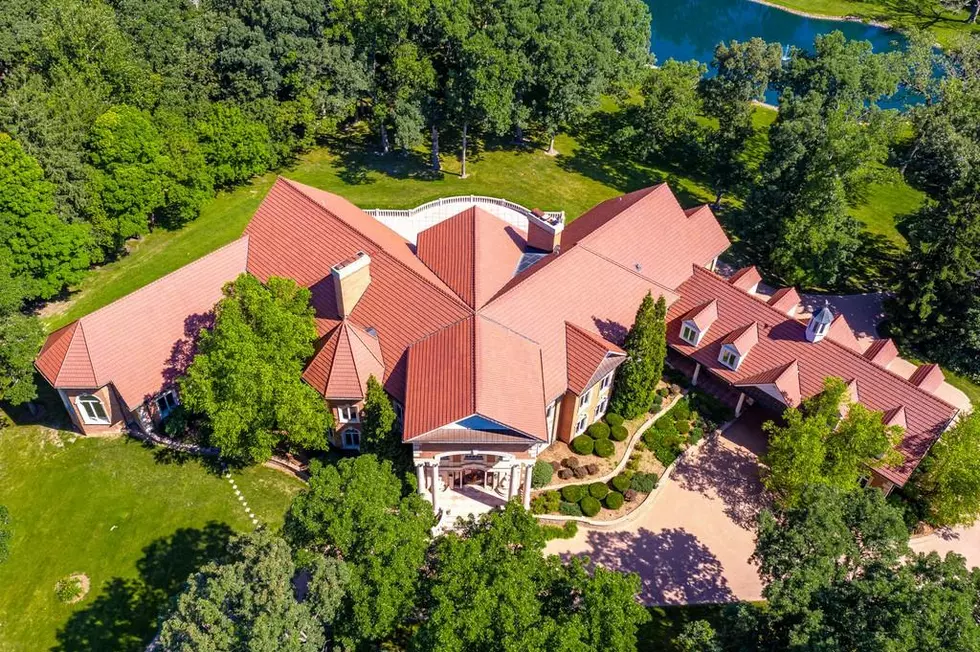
(71, 337)
(598, 339)
(507, 328)
(88, 354)
(357, 332)
(652, 189)
(141, 290)
(852, 352)
(581, 244)
(452, 295)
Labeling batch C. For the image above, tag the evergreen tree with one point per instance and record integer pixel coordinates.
(379, 436)
(646, 346)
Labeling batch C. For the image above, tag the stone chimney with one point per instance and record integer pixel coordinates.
(544, 233)
(350, 280)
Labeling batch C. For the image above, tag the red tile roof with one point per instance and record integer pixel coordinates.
(585, 353)
(882, 352)
(929, 377)
(348, 356)
(785, 378)
(141, 342)
(474, 253)
(702, 315)
(746, 278)
(785, 300)
(743, 339)
(783, 341)
(842, 333)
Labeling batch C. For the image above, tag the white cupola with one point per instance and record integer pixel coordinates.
(819, 324)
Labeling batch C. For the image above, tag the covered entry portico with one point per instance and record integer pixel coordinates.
(496, 473)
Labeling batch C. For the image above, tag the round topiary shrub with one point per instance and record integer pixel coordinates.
(664, 423)
(604, 448)
(683, 427)
(590, 506)
(546, 502)
(573, 493)
(621, 482)
(599, 430)
(644, 482)
(541, 474)
(614, 500)
(618, 433)
(614, 419)
(571, 462)
(555, 467)
(583, 445)
(569, 509)
(598, 490)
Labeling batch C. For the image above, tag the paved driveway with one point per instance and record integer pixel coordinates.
(694, 542)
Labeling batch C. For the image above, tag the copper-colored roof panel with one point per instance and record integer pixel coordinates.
(585, 352)
(53, 353)
(746, 278)
(882, 352)
(842, 333)
(785, 300)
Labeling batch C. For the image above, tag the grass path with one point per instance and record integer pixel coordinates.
(110, 509)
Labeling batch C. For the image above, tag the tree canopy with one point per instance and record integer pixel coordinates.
(949, 477)
(246, 378)
(646, 345)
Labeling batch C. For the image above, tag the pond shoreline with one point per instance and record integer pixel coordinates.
(844, 19)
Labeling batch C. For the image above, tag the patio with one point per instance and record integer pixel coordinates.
(465, 501)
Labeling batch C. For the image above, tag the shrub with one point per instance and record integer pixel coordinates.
(710, 407)
(656, 407)
(565, 474)
(621, 482)
(592, 468)
(546, 502)
(583, 445)
(683, 427)
(555, 467)
(629, 495)
(619, 433)
(604, 448)
(590, 506)
(663, 423)
(644, 482)
(541, 475)
(614, 419)
(682, 410)
(68, 589)
(580, 472)
(571, 462)
(598, 490)
(566, 531)
(573, 493)
(614, 500)
(569, 509)
(599, 430)
(696, 435)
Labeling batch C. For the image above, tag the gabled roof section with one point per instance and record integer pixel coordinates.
(882, 352)
(475, 368)
(743, 339)
(896, 417)
(746, 278)
(702, 315)
(842, 333)
(785, 300)
(929, 377)
(141, 342)
(785, 378)
(585, 353)
(782, 340)
(474, 252)
(348, 356)
(648, 231)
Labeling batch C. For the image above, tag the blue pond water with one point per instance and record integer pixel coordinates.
(690, 29)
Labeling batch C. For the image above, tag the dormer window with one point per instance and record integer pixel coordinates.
(729, 358)
(689, 334)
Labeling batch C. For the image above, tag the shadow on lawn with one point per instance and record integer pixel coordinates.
(358, 158)
(124, 615)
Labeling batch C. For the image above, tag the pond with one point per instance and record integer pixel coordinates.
(690, 29)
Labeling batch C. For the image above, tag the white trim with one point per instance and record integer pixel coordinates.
(727, 352)
(162, 395)
(88, 418)
(688, 327)
(348, 413)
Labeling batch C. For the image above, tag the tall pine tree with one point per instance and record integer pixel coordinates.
(646, 345)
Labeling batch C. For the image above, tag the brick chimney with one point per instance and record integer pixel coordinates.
(350, 280)
(544, 233)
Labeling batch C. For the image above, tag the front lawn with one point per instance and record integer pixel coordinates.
(135, 525)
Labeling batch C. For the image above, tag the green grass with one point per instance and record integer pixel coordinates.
(946, 26)
(110, 509)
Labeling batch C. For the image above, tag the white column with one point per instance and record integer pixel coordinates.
(515, 472)
(528, 470)
(738, 406)
(435, 486)
(697, 371)
(420, 474)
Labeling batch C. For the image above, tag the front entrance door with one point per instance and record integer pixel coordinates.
(473, 476)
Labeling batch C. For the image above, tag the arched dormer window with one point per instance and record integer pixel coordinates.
(351, 439)
(91, 409)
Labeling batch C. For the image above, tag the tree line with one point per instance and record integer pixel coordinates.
(120, 116)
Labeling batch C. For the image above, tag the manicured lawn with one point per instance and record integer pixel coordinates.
(135, 525)
(947, 26)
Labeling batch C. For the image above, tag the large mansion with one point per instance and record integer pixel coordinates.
(494, 329)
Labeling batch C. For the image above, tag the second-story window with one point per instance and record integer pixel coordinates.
(347, 413)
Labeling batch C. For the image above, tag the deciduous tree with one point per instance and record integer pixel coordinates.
(950, 478)
(21, 337)
(246, 377)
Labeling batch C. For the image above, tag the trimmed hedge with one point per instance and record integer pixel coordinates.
(614, 419)
(590, 506)
(542, 473)
(583, 445)
(566, 531)
(573, 493)
(621, 482)
(644, 482)
(598, 490)
(598, 430)
(614, 500)
(618, 433)
(569, 509)
(604, 448)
